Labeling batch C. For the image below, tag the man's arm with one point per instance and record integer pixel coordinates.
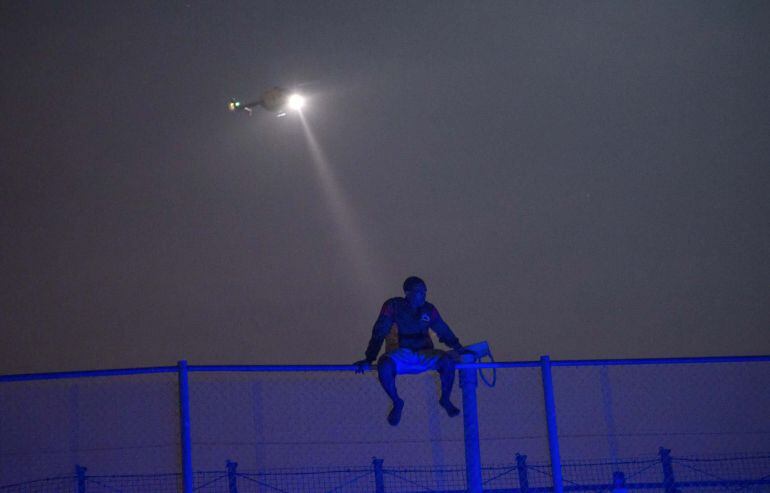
(443, 331)
(380, 330)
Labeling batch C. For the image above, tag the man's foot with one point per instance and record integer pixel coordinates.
(395, 414)
(450, 408)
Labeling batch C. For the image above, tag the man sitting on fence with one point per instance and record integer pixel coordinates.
(415, 353)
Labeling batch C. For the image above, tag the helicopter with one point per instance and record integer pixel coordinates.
(276, 100)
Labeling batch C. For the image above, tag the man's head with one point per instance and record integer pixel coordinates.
(415, 291)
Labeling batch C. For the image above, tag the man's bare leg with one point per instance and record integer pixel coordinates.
(386, 372)
(446, 370)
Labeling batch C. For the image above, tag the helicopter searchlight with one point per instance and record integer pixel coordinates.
(275, 100)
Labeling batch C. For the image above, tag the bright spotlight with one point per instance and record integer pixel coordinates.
(296, 102)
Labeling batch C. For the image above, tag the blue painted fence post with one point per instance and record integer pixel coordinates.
(550, 416)
(521, 468)
(184, 427)
(669, 483)
(232, 476)
(379, 480)
(468, 383)
(80, 472)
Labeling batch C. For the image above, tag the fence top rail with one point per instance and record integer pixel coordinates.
(348, 368)
(88, 373)
(662, 361)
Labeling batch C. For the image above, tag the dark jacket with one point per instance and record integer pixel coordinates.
(413, 325)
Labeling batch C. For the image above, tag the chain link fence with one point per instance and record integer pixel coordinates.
(323, 419)
(127, 423)
(622, 426)
(745, 473)
(613, 411)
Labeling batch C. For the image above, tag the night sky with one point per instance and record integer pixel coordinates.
(579, 179)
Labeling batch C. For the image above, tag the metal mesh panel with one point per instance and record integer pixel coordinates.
(599, 474)
(511, 417)
(304, 419)
(415, 479)
(631, 411)
(311, 480)
(110, 424)
(498, 477)
(47, 485)
(736, 473)
(156, 483)
(210, 482)
(318, 431)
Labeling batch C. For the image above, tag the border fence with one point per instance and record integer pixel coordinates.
(641, 474)
(667, 425)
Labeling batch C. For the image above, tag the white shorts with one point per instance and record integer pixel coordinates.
(409, 361)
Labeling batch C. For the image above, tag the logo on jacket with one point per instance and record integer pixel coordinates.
(425, 317)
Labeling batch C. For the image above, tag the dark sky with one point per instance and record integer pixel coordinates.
(579, 179)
